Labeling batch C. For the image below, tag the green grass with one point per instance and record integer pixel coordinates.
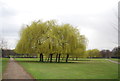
(82, 69)
(115, 59)
(4, 63)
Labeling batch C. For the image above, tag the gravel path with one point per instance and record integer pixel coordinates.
(113, 61)
(15, 71)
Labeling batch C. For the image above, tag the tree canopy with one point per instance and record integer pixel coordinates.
(116, 52)
(50, 38)
(93, 53)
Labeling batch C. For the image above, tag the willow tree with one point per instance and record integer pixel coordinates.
(48, 39)
(29, 38)
(24, 43)
(93, 53)
(69, 39)
(81, 46)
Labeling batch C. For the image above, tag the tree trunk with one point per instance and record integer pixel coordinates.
(51, 57)
(59, 58)
(48, 59)
(67, 57)
(41, 57)
(56, 57)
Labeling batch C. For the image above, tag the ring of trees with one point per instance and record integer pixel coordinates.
(50, 38)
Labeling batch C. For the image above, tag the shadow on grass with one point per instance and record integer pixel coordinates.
(80, 60)
(45, 62)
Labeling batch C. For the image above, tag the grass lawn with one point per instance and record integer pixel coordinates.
(4, 63)
(81, 69)
(115, 59)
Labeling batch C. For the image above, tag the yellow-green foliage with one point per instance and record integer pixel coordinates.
(93, 53)
(49, 37)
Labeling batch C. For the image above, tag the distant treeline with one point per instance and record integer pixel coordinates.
(115, 53)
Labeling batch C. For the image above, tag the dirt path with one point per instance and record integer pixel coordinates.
(113, 61)
(15, 71)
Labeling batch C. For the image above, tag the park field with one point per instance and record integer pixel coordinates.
(80, 69)
(4, 63)
(114, 59)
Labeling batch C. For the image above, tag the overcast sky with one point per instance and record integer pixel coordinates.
(96, 19)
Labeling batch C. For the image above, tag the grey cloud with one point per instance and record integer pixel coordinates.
(6, 11)
(10, 30)
(106, 36)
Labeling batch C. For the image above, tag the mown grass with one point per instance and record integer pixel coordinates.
(4, 64)
(115, 59)
(81, 69)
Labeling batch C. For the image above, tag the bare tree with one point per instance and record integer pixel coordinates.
(3, 43)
